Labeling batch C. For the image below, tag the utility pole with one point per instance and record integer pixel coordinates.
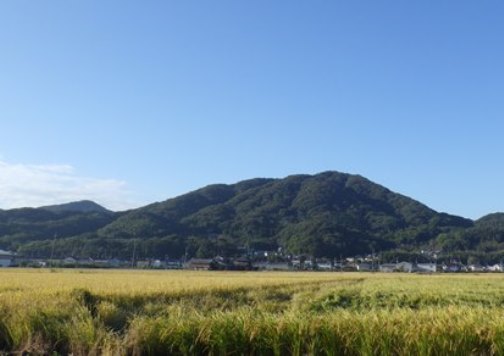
(52, 247)
(134, 254)
(372, 260)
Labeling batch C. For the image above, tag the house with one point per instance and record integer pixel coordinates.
(156, 264)
(69, 261)
(324, 266)
(242, 264)
(495, 268)
(309, 264)
(349, 267)
(85, 262)
(387, 267)
(114, 262)
(272, 266)
(475, 268)
(173, 264)
(262, 254)
(365, 267)
(396, 267)
(338, 266)
(99, 263)
(452, 268)
(404, 267)
(425, 267)
(221, 263)
(142, 264)
(6, 258)
(297, 264)
(200, 264)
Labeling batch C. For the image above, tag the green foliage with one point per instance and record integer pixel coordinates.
(486, 236)
(21, 226)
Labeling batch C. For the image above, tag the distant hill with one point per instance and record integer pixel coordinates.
(21, 227)
(330, 214)
(83, 206)
(484, 239)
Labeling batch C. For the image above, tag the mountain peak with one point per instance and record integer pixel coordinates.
(82, 206)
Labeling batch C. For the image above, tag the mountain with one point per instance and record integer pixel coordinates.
(485, 237)
(83, 206)
(19, 227)
(327, 214)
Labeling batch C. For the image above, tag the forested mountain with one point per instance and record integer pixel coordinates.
(83, 206)
(328, 214)
(21, 226)
(484, 240)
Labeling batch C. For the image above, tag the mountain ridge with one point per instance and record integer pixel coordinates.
(83, 206)
(325, 215)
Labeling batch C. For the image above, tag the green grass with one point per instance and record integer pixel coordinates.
(194, 313)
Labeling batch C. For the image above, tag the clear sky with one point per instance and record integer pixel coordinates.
(129, 102)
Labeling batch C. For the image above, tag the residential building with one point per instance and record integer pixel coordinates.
(6, 258)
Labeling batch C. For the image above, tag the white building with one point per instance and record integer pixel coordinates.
(6, 258)
(387, 267)
(271, 266)
(324, 266)
(425, 267)
(476, 268)
(396, 267)
(404, 267)
(495, 268)
(365, 267)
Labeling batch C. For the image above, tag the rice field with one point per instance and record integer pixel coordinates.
(86, 312)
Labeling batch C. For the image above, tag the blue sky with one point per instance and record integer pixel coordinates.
(129, 102)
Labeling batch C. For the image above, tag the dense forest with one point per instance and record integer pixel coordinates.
(330, 214)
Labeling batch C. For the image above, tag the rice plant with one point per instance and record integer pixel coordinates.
(249, 313)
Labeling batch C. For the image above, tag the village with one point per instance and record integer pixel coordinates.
(254, 262)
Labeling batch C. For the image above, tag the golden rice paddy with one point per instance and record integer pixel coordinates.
(134, 312)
